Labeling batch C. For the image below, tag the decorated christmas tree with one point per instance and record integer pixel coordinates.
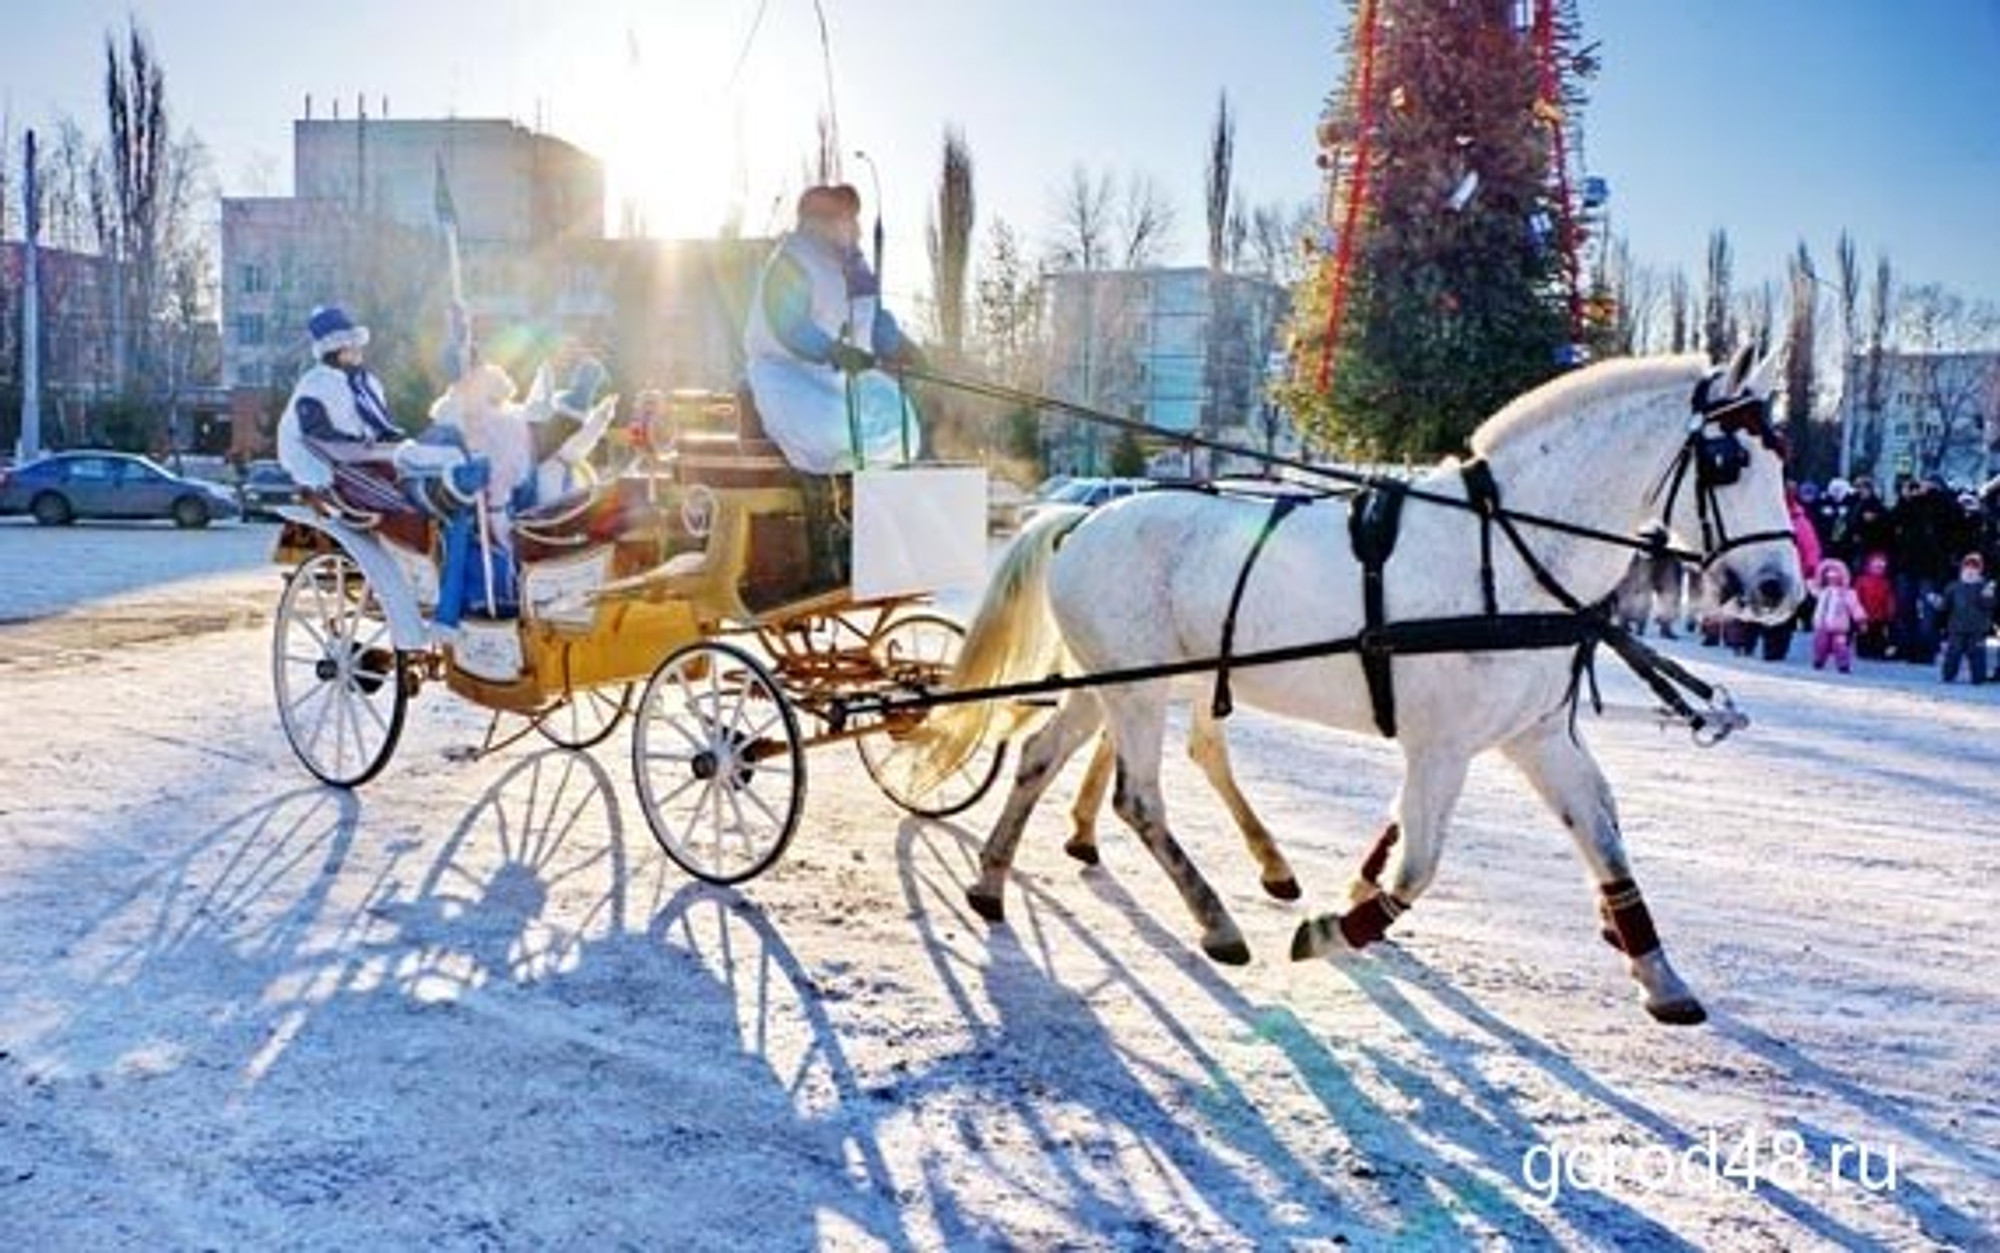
(1445, 281)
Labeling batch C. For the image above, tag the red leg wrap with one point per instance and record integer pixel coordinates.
(1367, 921)
(1631, 922)
(1378, 856)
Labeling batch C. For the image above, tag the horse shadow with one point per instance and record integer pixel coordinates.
(1378, 1180)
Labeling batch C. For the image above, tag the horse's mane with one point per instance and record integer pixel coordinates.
(1560, 397)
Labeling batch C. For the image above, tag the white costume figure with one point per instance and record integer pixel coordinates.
(816, 327)
(479, 416)
(337, 413)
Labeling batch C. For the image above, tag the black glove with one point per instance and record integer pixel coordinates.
(849, 359)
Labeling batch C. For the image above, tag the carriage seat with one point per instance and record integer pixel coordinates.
(721, 460)
(614, 511)
(368, 496)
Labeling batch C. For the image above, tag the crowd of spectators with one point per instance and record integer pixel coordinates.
(1909, 576)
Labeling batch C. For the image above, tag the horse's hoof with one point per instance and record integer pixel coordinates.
(986, 905)
(1285, 889)
(1314, 936)
(1083, 850)
(1686, 1013)
(1233, 952)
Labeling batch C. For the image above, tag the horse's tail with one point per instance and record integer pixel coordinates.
(1012, 637)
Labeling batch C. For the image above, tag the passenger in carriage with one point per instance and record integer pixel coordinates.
(338, 416)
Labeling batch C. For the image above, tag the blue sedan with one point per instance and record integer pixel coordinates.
(66, 486)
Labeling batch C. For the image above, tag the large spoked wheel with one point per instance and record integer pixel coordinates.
(718, 762)
(918, 650)
(339, 679)
(585, 719)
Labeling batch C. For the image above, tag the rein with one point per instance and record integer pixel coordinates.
(1701, 453)
(1716, 461)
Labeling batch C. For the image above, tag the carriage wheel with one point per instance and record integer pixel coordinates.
(585, 718)
(718, 762)
(919, 649)
(339, 680)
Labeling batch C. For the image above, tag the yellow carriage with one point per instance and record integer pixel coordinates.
(679, 592)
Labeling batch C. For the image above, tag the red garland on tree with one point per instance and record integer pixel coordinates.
(1449, 278)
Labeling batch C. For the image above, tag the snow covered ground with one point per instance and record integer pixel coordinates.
(472, 1005)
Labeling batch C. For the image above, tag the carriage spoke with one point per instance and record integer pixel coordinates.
(376, 714)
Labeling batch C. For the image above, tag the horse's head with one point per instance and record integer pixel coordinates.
(1726, 490)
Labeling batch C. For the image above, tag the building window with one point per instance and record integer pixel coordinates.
(253, 279)
(249, 328)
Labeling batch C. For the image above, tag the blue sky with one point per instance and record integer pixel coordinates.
(1779, 120)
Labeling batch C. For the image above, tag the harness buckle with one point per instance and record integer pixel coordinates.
(1718, 720)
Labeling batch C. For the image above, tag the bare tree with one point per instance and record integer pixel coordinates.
(1236, 246)
(1949, 343)
(6, 168)
(1081, 222)
(1847, 291)
(1216, 181)
(826, 150)
(135, 107)
(1759, 319)
(1718, 322)
(950, 239)
(1680, 308)
(1147, 224)
(188, 245)
(1007, 318)
(1802, 361)
(1881, 316)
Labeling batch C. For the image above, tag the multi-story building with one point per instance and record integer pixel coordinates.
(1933, 413)
(361, 229)
(76, 322)
(1186, 350)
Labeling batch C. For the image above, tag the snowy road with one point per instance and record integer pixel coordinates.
(472, 1006)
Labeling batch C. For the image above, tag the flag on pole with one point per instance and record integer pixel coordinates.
(447, 215)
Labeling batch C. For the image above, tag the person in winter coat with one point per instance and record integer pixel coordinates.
(1834, 518)
(1966, 610)
(1872, 529)
(815, 332)
(1837, 615)
(1877, 594)
(338, 413)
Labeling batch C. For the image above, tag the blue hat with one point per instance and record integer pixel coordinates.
(584, 381)
(331, 330)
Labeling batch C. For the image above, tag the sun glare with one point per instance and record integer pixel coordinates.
(688, 145)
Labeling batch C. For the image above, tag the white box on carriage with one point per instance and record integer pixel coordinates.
(918, 529)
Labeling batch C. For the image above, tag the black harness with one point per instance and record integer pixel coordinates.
(1711, 453)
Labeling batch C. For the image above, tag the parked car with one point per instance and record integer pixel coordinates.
(1004, 504)
(65, 486)
(1088, 492)
(265, 488)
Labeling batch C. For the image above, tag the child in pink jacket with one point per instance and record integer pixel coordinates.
(1837, 615)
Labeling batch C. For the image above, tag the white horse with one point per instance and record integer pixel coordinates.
(1614, 447)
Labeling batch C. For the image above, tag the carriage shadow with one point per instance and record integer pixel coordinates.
(447, 1041)
(1381, 1179)
(613, 1000)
